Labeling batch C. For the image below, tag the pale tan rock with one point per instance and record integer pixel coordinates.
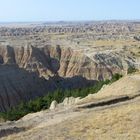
(69, 101)
(53, 105)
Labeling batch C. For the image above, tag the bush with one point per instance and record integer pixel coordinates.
(137, 38)
(131, 70)
(115, 77)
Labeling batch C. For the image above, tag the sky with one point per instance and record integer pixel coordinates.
(68, 10)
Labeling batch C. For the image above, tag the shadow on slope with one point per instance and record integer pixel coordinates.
(18, 85)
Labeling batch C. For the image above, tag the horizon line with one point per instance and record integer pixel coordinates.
(57, 21)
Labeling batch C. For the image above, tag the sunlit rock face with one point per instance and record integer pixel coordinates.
(66, 62)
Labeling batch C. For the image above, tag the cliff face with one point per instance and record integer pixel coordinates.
(18, 85)
(65, 62)
(27, 72)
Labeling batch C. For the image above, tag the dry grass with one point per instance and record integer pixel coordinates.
(128, 85)
(119, 122)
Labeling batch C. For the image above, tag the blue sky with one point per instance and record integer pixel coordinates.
(67, 10)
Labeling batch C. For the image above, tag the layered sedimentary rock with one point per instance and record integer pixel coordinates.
(27, 72)
(67, 56)
(18, 85)
(66, 62)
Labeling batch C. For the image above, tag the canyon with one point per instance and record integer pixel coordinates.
(39, 58)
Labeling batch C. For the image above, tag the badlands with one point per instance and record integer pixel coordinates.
(37, 58)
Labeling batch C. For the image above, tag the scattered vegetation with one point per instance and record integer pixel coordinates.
(59, 95)
(137, 38)
(131, 70)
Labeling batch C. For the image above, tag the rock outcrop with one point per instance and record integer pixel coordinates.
(66, 62)
(53, 105)
(70, 101)
(17, 84)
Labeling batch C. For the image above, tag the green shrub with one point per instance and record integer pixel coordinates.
(131, 70)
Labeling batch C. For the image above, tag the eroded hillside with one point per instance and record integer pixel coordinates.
(37, 59)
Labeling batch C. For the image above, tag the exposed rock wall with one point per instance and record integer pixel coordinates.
(63, 61)
(27, 72)
(18, 85)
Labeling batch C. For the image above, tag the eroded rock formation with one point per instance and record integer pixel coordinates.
(27, 72)
(37, 59)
